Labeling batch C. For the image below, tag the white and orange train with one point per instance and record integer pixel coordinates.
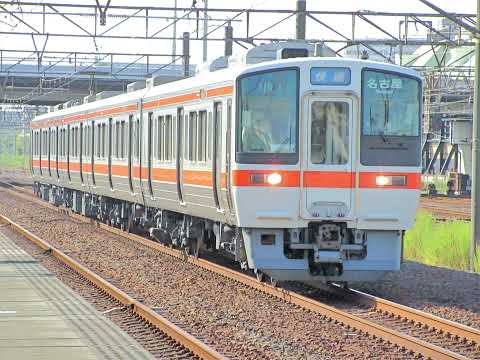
(302, 169)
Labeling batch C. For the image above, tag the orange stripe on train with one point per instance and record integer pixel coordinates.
(152, 104)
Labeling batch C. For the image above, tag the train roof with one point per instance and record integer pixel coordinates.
(224, 76)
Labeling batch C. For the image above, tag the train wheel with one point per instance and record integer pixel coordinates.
(260, 275)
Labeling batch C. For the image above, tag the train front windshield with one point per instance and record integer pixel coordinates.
(268, 117)
(391, 112)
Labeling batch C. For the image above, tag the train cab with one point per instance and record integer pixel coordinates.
(327, 166)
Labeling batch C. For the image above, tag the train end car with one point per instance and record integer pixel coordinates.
(327, 171)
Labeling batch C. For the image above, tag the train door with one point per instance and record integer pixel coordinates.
(130, 152)
(40, 152)
(92, 151)
(109, 152)
(57, 135)
(49, 151)
(328, 179)
(69, 145)
(179, 154)
(218, 181)
(80, 153)
(150, 152)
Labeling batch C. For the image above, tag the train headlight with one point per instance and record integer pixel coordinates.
(274, 178)
(395, 180)
(383, 180)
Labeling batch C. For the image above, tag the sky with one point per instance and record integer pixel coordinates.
(258, 22)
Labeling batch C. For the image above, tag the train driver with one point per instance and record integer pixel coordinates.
(257, 138)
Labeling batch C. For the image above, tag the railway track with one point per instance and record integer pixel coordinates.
(444, 213)
(447, 208)
(150, 317)
(414, 330)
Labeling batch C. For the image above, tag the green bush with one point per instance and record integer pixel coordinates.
(12, 149)
(440, 182)
(439, 243)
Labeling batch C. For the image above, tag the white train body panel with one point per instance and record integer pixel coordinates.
(342, 191)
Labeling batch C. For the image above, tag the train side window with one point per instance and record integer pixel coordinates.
(122, 140)
(54, 149)
(136, 142)
(89, 141)
(202, 136)
(192, 132)
(75, 141)
(80, 139)
(209, 136)
(112, 137)
(168, 138)
(72, 141)
(104, 140)
(130, 136)
(97, 142)
(50, 141)
(83, 136)
(65, 142)
(68, 147)
(160, 138)
(85, 140)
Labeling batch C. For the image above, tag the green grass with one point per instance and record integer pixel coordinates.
(15, 162)
(13, 153)
(439, 243)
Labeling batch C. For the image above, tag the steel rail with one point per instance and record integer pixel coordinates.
(432, 321)
(408, 313)
(462, 215)
(370, 328)
(173, 331)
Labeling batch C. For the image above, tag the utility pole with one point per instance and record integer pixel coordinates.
(301, 19)
(174, 42)
(205, 29)
(475, 213)
(475, 235)
(186, 54)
